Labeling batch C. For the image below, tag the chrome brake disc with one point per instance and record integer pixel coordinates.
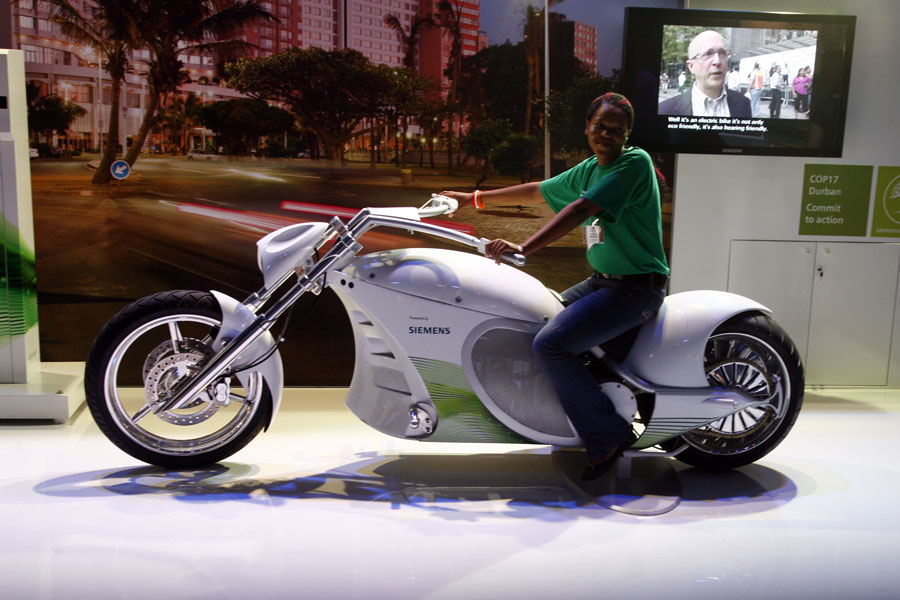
(187, 345)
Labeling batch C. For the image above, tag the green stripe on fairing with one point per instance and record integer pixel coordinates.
(18, 286)
(461, 415)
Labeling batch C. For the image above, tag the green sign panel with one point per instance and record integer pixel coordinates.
(835, 199)
(886, 215)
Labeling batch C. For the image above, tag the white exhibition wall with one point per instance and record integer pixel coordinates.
(722, 199)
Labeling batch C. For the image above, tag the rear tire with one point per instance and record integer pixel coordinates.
(141, 355)
(751, 352)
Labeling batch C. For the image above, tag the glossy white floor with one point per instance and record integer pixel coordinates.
(323, 507)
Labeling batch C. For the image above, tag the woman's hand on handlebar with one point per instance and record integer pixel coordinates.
(464, 198)
(495, 248)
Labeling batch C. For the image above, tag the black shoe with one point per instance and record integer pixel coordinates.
(602, 466)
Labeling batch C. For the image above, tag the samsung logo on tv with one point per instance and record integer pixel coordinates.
(413, 330)
(732, 150)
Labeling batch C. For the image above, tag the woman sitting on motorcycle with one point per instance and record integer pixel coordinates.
(615, 194)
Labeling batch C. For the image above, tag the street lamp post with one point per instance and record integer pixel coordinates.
(100, 101)
(546, 89)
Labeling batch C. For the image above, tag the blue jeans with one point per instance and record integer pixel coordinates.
(754, 101)
(598, 310)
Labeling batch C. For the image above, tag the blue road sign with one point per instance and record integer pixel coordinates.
(120, 169)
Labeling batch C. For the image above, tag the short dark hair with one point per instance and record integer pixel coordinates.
(613, 99)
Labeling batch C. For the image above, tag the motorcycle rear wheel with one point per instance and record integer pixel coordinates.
(753, 353)
(141, 355)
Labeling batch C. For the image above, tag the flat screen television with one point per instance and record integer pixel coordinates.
(729, 82)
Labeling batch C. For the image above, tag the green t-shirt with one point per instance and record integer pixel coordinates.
(628, 196)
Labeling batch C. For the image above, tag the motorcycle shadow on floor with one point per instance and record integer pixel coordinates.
(449, 484)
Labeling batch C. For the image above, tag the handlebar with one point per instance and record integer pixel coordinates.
(439, 205)
(370, 218)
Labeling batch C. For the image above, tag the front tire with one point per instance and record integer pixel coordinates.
(141, 355)
(753, 353)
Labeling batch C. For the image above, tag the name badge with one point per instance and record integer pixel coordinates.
(593, 234)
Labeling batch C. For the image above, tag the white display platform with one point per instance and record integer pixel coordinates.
(323, 506)
(55, 393)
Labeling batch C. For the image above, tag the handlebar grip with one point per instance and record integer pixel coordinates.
(516, 259)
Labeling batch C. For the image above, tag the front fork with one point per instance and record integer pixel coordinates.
(235, 317)
(250, 327)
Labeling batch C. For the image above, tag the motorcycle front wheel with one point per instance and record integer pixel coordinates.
(142, 355)
(752, 353)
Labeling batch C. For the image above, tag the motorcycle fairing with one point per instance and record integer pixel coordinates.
(471, 362)
(671, 345)
(458, 279)
(412, 313)
(418, 315)
(500, 366)
(286, 249)
(236, 318)
(398, 373)
(464, 418)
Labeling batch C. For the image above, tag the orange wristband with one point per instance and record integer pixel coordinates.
(476, 200)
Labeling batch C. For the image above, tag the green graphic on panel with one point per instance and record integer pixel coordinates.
(461, 416)
(835, 199)
(18, 286)
(886, 215)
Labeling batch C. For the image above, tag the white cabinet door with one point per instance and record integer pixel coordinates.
(852, 314)
(835, 300)
(778, 275)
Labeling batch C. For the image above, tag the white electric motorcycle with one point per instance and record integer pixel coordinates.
(443, 353)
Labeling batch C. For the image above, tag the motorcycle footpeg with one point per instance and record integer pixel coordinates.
(422, 421)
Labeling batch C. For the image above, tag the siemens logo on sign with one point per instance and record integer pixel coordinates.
(429, 330)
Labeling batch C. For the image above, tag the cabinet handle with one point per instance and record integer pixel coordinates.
(820, 271)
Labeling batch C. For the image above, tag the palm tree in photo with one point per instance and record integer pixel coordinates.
(183, 27)
(430, 116)
(181, 115)
(409, 41)
(111, 29)
(451, 20)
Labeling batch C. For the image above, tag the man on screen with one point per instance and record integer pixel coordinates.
(708, 62)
